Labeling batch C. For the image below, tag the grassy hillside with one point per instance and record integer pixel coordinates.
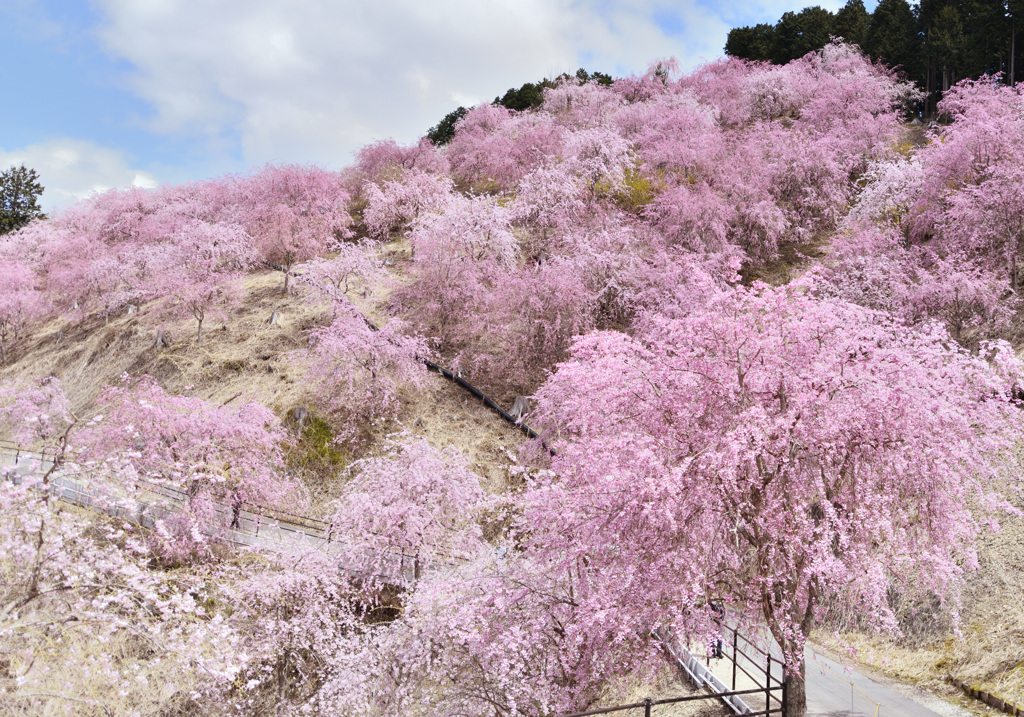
(243, 358)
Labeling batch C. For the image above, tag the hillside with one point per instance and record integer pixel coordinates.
(766, 340)
(244, 359)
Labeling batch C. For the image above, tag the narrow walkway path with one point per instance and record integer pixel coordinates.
(279, 532)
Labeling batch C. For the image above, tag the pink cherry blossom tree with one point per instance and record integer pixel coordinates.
(956, 205)
(229, 635)
(358, 371)
(82, 582)
(985, 220)
(292, 212)
(476, 229)
(351, 261)
(694, 216)
(34, 413)
(208, 452)
(393, 206)
(984, 138)
(868, 265)
(382, 160)
(529, 323)
(461, 254)
(550, 203)
(494, 147)
(577, 105)
(304, 627)
(599, 157)
(21, 303)
(86, 625)
(196, 268)
(674, 131)
(415, 503)
(776, 452)
(964, 295)
(79, 269)
(504, 635)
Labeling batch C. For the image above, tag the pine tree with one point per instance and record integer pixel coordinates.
(945, 45)
(19, 198)
(892, 37)
(798, 33)
(851, 22)
(751, 43)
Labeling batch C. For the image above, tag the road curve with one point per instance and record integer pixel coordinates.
(834, 691)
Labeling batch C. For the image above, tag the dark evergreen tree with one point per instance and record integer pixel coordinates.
(987, 26)
(1016, 13)
(796, 34)
(443, 132)
(598, 77)
(851, 22)
(526, 97)
(945, 44)
(19, 198)
(893, 38)
(751, 43)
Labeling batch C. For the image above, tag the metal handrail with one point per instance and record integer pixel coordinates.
(93, 497)
(769, 677)
(258, 514)
(299, 521)
(648, 703)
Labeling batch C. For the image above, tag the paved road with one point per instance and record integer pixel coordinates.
(831, 694)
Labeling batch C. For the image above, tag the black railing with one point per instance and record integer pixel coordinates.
(764, 669)
(150, 500)
(648, 704)
(773, 685)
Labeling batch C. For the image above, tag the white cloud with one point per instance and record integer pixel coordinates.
(72, 169)
(312, 80)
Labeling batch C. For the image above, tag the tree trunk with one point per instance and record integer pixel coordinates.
(929, 79)
(282, 682)
(3, 351)
(236, 512)
(1013, 49)
(199, 332)
(796, 690)
(285, 289)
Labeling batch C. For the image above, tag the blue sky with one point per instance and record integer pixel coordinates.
(115, 92)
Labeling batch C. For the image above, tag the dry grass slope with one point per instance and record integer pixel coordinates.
(242, 358)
